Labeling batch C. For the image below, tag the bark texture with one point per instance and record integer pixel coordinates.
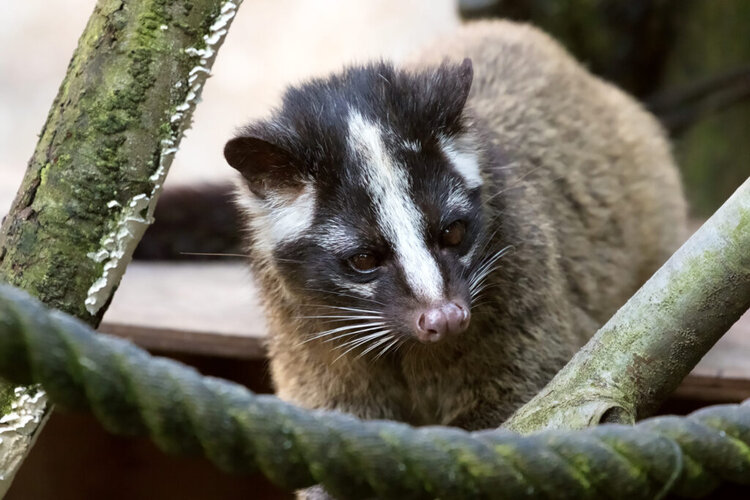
(102, 156)
(91, 185)
(643, 353)
(24, 411)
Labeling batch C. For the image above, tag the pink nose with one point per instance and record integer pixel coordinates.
(442, 320)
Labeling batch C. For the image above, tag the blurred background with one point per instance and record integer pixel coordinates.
(687, 60)
(272, 43)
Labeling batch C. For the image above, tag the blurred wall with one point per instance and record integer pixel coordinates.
(271, 43)
(659, 50)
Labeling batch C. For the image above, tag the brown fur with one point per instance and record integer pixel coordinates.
(586, 191)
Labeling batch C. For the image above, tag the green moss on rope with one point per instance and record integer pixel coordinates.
(132, 393)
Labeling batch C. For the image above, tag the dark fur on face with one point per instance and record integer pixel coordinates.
(375, 167)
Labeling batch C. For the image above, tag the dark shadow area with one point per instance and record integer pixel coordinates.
(75, 458)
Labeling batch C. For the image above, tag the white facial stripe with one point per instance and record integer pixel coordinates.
(280, 217)
(398, 217)
(469, 257)
(464, 158)
(291, 217)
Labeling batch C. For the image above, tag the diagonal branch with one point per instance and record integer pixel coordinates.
(642, 354)
(91, 186)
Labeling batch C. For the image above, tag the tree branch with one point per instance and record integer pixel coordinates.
(642, 354)
(91, 186)
(679, 109)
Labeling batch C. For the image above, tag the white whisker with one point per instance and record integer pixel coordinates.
(478, 281)
(515, 184)
(358, 328)
(342, 308)
(213, 254)
(506, 166)
(485, 286)
(481, 275)
(362, 340)
(491, 259)
(476, 284)
(358, 342)
(375, 346)
(341, 294)
(386, 348)
(338, 318)
(349, 334)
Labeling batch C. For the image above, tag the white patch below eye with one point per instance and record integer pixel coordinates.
(335, 238)
(469, 257)
(397, 215)
(464, 158)
(366, 290)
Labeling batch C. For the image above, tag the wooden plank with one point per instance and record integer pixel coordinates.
(190, 342)
(194, 297)
(194, 308)
(214, 309)
(711, 390)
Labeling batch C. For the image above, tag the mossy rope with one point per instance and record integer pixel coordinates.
(133, 393)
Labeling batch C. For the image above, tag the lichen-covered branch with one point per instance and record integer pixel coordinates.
(102, 156)
(23, 410)
(648, 347)
(92, 183)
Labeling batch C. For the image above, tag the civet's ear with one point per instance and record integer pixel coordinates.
(464, 75)
(266, 167)
(452, 83)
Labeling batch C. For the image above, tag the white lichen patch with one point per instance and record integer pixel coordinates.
(117, 246)
(18, 428)
(117, 250)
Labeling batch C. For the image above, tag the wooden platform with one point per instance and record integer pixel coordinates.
(190, 308)
(212, 309)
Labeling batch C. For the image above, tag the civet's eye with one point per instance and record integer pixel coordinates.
(364, 262)
(453, 234)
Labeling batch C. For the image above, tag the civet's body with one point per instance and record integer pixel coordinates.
(433, 244)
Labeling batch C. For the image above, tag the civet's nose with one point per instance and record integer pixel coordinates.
(439, 321)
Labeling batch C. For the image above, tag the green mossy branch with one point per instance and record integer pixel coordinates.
(92, 183)
(648, 347)
(7, 397)
(107, 144)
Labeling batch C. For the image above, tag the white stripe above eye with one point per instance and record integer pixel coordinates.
(398, 217)
(457, 201)
(463, 156)
(335, 237)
